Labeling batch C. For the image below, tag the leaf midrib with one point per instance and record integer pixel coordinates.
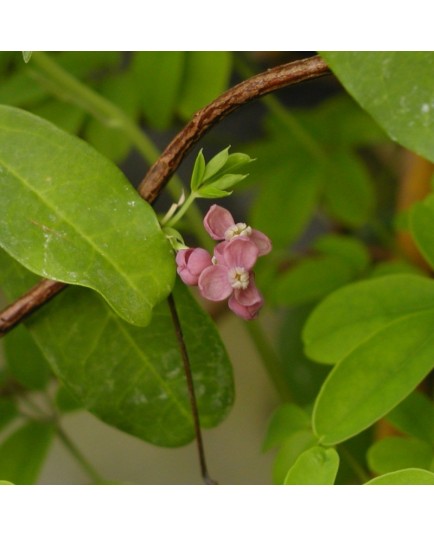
(78, 232)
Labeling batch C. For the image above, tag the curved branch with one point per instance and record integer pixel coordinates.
(252, 88)
(160, 173)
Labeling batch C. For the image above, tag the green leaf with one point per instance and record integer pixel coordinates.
(349, 195)
(131, 377)
(289, 190)
(25, 360)
(314, 277)
(394, 267)
(335, 329)
(415, 416)
(198, 172)
(23, 452)
(228, 181)
(304, 376)
(405, 477)
(286, 420)
(421, 225)
(5, 482)
(206, 76)
(61, 114)
(375, 377)
(395, 453)
(396, 89)
(8, 411)
(314, 467)
(209, 191)
(70, 215)
(344, 247)
(310, 280)
(27, 56)
(109, 139)
(66, 401)
(291, 449)
(216, 163)
(158, 77)
(26, 87)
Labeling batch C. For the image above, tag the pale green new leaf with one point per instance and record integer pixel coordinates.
(407, 477)
(216, 163)
(396, 88)
(198, 172)
(69, 214)
(316, 466)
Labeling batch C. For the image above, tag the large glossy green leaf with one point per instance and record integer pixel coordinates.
(396, 88)
(69, 214)
(23, 453)
(415, 416)
(405, 477)
(158, 76)
(131, 377)
(375, 377)
(396, 453)
(355, 313)
(206, 76)
(316, 466)
(25, 360)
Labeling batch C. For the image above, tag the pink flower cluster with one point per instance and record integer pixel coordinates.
(228, 274)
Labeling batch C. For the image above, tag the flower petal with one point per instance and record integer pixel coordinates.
(216, 221)
(247, 313)
(198, 260)
(214, 283)
(240, 252)
(262, 242)
(249, 297)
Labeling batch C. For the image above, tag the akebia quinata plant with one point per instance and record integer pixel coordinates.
(314, 238)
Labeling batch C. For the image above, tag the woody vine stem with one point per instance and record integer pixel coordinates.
(165, 165)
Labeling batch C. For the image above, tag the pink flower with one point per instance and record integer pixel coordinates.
(220, 225)
(191, 263)
(231, 276)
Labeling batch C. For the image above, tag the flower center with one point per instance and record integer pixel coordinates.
(238, 229)
(238, 278)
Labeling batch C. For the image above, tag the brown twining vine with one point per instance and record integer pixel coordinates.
(168, 162)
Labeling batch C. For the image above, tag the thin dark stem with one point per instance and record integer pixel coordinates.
(189, 377)
(166, 165)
